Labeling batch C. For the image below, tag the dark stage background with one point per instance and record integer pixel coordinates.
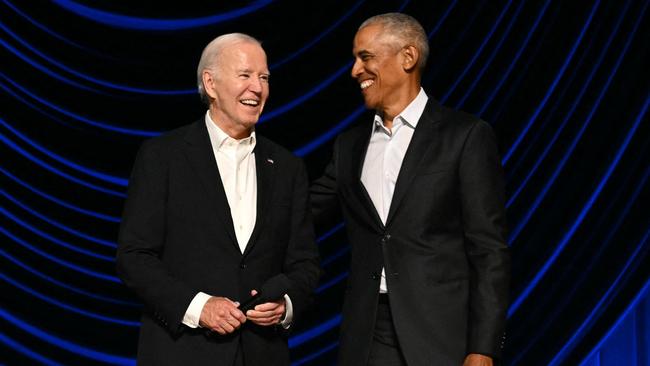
(564, 83)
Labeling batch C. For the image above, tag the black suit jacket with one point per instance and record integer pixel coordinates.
(177, 238)
(443, 245)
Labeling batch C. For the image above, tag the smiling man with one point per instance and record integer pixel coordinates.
(421, 192)
(214, 211)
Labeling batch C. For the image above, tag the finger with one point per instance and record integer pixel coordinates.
(267, 306)
(227, 327)
(230, 302)
(263, 317)
(238, 315)
(254, 314)
(219, 330)
(232, 322)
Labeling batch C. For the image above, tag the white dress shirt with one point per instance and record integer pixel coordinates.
(236, 163)
(384, 158)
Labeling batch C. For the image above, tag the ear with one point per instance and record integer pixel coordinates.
(208, 83)
(410, 57)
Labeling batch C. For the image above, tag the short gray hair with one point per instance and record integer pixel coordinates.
(211, 55)
(406, 29)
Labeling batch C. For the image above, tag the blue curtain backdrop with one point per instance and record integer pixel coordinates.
(565, 84)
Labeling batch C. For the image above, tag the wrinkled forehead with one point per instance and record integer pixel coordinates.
(244, 54)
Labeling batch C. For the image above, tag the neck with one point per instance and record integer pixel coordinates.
(233, 130)
(403, 98)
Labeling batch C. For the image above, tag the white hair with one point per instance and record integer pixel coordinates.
(210, 57)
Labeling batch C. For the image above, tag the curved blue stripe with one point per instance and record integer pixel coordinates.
(149, 24)
(42, 27)
(71, 164)
(282, 109)
(26, 351)
(512, 64)
(338, 254)
(442, 19)
(67, 307)
(314, 144)
(64, 285)
(569, 114)
(549, 182)
(607, 297)
(44, 69)
(585, 209)
(316, 354)
(620, 319)
(311, 146)
(539, 108)
(493, 53)
(58, 172)
(329, 233)
(59, 201)
(64, 344)
(320, 36)
(578, 282)
(477, 53)
(59, 261)
(108, 243)
(560, 101)
(332, 282)
(80, 118)
(74, 72)
(33, 106)
(51, 238)
(314, 332)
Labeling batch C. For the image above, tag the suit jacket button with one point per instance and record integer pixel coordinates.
(243, 265)
(375, 276)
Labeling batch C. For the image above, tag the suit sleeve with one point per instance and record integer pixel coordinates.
(324, 196)
(301, 263)
(142, 240)
(483, 213)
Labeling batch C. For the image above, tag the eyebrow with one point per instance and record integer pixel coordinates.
(362, 53)
(249, 71)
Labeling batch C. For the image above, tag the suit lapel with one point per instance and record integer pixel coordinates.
(265, 171)
(200, 155)
(358, 156)
(415, 153)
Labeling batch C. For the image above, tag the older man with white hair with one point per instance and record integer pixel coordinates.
(217, 215)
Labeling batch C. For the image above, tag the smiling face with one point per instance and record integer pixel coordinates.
(238, 87)
(378, 68)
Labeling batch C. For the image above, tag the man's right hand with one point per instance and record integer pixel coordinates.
(221, 315)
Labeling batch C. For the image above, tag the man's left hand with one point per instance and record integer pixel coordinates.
(474, 359)
(268, 313)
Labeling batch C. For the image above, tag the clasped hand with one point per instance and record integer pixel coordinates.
(222, 315)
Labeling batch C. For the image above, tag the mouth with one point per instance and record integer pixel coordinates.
(250, 102)
(366, 84)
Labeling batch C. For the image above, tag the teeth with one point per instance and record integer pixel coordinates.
(366, 83)
(250, 102)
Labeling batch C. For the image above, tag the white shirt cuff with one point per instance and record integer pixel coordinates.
(193, 312)
(288, 310)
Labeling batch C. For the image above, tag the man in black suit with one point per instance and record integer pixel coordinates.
(422, 196)
(213, 212)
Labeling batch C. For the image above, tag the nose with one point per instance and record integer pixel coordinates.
(255, 85)
(357, 68)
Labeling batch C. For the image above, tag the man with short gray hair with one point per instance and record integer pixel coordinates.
(217, 216)
(421, 191)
